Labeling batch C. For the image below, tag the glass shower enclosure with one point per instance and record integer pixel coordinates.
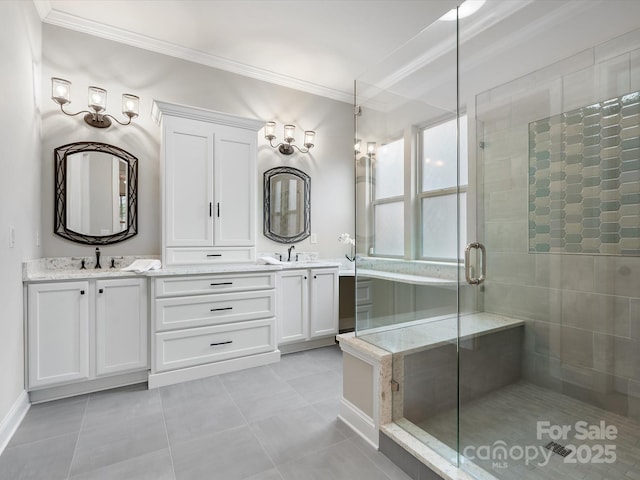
(498, 235)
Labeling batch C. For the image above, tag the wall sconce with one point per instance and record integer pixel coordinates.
(96, 116)
(286, 147)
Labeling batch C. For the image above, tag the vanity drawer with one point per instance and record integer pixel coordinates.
(197, 285)
(202, 310)
(197, 346)
(209, 256)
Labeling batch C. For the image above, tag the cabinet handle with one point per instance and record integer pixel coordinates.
(218, 209)
(221, 309)
(221, 343)
(81, 292)
(101, 291)
(214, 255)
(221, 283)
(305, 277)
(210, 209)
(315, 276)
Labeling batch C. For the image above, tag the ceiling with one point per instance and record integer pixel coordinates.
(317, 46)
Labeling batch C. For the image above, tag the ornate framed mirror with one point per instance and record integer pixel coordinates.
(96, 193)
(287, 205)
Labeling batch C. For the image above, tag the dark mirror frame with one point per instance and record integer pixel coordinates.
(60, 203)
(268, 175)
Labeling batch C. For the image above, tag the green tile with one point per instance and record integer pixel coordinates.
(543, 183)
(591, 120)
(610, 174)
(557, 243)
(631, 199)
(630, 165)
(591, 222)
(557, 176)
(630, 154)
(608, 163)
(543, 228)
(543, 211)
(611, 131)
(591, 202)
(543, 164)
(610, 142)
(592, 151)
(541, 126)
(630, 143)
(609, 109)
(610, 185)
(557, 233)
(543, 192)
(590, 232)
(542, 155)
(574, 189)
(609, 207)
(571, 179)
(573, 118)
(591, 182)
(610, 238)
(630, 232)
(573, 238)
(543, 247)
(557, 204)
(591, 109)
(591, 212)
(574, 198)
(574, 218)
(629, 110)
(630, 98)
(571, 159)
(573, 139)
(591, 130)
(610, 227)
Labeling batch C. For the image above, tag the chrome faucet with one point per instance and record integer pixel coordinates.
(292, 247)
(98, 258)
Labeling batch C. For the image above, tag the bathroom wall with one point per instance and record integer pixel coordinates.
(87, 60)
(20, 55)
(582, 311)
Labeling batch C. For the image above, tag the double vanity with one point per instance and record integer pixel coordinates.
(92, 329)
(213, 307)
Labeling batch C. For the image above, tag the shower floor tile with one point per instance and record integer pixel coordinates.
(510, 421)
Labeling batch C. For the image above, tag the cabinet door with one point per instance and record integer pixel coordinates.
(293, 306)
(324, 302)
(121, 325)
(58, 332)
(235, 186)
(188, 182)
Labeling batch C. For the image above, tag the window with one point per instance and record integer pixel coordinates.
(438, 190)
(388, 199)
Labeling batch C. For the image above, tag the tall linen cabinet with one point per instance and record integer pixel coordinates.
(208, 189)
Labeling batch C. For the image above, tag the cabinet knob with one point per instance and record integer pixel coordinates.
(101, 290)
(305, 277)
(315, 276)
(81, 292)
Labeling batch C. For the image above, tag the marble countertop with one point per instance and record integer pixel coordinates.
(68, 268)
(404, 278)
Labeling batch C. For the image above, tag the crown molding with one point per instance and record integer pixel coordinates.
(159, 109)
(72, 22)
(43, 7)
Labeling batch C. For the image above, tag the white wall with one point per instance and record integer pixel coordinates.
(86, 60)
(20, 155)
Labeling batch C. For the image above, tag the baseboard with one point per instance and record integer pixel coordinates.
(307, 345)
(13, 419)
(359, 422)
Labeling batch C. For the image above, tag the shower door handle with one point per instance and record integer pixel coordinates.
(467, 264)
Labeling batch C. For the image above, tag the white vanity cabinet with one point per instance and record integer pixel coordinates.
(209, 324)
(208, 185)
(307, 307)
(84, 330)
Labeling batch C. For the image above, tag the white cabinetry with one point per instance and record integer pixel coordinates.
(210, 324)
(208, 185)
(307, 306)
(86, 329)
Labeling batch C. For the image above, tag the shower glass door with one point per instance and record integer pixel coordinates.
(411, 188)
(549, 364)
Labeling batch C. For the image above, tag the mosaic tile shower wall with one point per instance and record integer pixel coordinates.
(584, 179)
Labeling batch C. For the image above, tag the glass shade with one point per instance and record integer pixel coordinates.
(371, 147)
(130, 105)
(270, 130)
(60, 90)
(309, 138)
(97, 99)
(356, 145)
(289, 133)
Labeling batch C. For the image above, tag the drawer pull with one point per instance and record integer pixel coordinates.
(221, 283)
(222, 343)
(220, 309)
(214, 255)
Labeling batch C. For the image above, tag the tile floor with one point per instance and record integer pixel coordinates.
(510, 415)
(276, 422)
